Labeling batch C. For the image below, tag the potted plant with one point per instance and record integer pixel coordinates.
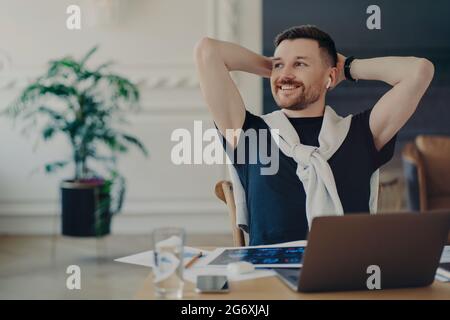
(86, 106)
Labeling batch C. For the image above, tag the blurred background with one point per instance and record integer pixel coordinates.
(151, 44)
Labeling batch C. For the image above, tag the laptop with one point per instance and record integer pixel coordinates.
(342, 250)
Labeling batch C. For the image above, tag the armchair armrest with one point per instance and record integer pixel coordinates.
(224, 191)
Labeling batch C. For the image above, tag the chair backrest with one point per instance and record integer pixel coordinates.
(431, 156)
(224, 191)
(390, 195)
(435, 153)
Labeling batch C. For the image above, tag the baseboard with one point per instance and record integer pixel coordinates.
(122, 224)
(136, 218)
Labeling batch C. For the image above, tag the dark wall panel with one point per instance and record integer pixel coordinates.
(408, 28)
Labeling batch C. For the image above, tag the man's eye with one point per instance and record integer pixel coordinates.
(300, 64)
(277, 65)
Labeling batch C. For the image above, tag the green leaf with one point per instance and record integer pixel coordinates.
(53, 166)
(125, 89)
(48, 132)
(62, 68)
(59, 90)
(103, 66)
(88, 55)
(57, 116)
(136, 142)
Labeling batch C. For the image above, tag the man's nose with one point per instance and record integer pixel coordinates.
(287, 74)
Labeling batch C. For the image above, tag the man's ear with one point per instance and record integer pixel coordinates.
(333, 75)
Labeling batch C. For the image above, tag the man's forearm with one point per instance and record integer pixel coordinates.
(391, 70)
(409, 78)
(238, 58)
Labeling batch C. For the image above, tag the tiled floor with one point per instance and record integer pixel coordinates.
(32, 268)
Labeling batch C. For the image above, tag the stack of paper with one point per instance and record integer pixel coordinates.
(190, 274)
(199, 268)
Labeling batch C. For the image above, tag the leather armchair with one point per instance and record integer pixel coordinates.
(426, 163)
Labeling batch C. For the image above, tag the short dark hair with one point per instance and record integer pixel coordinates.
(326, 44)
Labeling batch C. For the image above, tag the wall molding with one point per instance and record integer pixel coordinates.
(132, 207)
(147, 77)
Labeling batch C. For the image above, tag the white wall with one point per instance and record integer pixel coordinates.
(152, 43)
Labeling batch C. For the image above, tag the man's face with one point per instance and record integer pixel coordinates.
(299, 75)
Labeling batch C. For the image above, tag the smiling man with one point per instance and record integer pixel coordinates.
(327, 163)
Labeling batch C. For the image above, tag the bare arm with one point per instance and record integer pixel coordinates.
(214, 60)
(410, 78)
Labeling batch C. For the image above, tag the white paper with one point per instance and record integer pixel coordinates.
(169, 265)
(445, 257)
(298, 243)
(440, 278)
(146, 258)
(173, 241)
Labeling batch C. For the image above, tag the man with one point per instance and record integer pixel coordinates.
(304, 67)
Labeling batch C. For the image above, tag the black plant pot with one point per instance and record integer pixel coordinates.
(85, 208)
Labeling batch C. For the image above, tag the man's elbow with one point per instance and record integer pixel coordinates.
(424, 71)
(204, 49)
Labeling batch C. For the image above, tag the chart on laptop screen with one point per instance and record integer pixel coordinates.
(288, 256)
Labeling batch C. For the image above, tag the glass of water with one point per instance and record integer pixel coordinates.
(168, 244)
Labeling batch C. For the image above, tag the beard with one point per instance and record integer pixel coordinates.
(298, 100)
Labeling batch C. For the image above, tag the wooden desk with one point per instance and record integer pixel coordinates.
(271, 288)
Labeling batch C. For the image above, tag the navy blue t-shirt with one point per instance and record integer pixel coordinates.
(276, 203)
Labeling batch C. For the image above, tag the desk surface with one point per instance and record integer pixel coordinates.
(271, 288)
